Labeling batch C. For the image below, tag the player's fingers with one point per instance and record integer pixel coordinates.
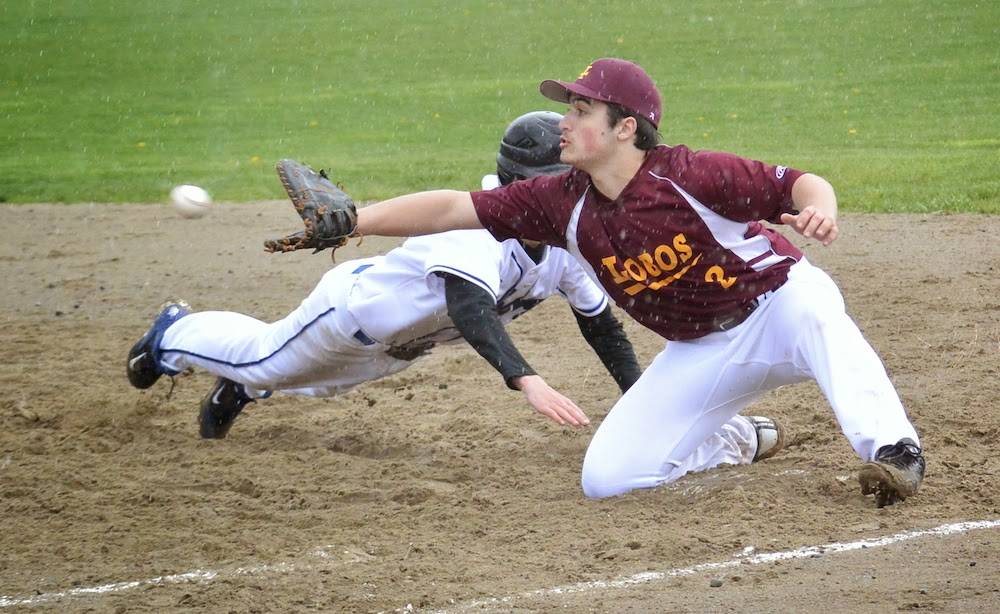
(573, 414)
(552, 415)
(578, 415)
(832, 234)
(558, 408)
(549, 413)
(804, 220)
(570, 417)
(831, 231)
(823, 230)
(800, 221)
(559, 412)
(812, 228)
(567, 404)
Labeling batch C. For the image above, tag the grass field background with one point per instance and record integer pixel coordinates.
(894, 101)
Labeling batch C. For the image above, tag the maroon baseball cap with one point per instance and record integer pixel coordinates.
(611, 80)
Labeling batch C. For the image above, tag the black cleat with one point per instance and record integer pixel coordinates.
(894, 474)
(220, 407)
(143, 366)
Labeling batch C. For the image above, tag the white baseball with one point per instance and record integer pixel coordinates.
(190, 200)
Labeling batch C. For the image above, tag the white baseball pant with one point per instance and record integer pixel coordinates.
(681, 416)
(317, 350)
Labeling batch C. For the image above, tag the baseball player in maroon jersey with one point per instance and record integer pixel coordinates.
(676, 238)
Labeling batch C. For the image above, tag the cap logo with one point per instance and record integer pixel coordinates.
(586, 71)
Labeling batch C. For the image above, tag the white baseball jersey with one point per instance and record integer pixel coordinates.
(339, 335)
(399, 298)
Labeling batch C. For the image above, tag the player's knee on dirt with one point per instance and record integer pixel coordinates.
(600, 480)
(594, 487)
(605, 479)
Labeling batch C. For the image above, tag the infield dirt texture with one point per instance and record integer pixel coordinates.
(439, 488)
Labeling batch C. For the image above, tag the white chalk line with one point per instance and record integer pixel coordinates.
(325, 558)
(747, 557)
(318, 557)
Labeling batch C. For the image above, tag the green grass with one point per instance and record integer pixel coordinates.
(894, 101)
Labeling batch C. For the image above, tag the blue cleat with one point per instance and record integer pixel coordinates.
(143, 365)
(220, 407)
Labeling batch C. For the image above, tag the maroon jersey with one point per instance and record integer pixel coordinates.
(681, 249)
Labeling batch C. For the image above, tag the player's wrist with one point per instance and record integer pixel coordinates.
(523, 382)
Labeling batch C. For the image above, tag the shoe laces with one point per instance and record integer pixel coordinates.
(900, 449)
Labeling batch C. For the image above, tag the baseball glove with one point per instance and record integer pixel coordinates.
(329, 214)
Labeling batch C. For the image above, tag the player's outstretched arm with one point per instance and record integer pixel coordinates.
(473, 311)
(816, 202)
(419, 214)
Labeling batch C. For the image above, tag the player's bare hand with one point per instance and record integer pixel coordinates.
(813, 223)
(550, 403)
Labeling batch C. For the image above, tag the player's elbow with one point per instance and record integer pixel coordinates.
(459, 212)
(813, 190)
(809, 182)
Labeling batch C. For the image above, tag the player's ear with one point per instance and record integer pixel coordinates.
(626, 128)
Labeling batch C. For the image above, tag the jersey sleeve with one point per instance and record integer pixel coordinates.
(472, 255)
(739, 188)
(531, 209)
(584, 296)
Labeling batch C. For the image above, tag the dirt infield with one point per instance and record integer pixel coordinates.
(438, 488)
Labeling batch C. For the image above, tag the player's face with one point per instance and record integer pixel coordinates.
(586, 137)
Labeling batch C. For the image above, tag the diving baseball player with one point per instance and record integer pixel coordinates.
(372, 317)
(676, 238)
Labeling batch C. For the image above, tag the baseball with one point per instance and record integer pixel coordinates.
(190, 200)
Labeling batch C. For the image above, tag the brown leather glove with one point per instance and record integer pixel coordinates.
(329, 214)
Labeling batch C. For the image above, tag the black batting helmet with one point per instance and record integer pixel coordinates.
(530, 147)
